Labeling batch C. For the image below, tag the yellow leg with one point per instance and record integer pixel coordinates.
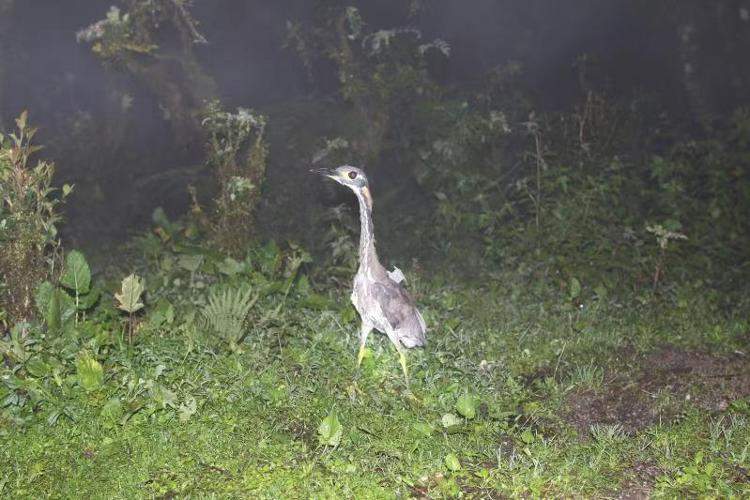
(361, 354)
(363, 333)
(402, 360)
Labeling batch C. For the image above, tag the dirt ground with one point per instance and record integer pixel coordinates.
(659, 389)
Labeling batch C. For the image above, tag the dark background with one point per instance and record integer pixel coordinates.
(639, 48)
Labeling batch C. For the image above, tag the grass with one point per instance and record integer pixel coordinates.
(595, 400)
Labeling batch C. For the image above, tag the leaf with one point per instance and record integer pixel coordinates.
(77, 275)
(112, 410)
(43, 295)
(190, 262)
(230, 267)
(37, 367)
(527, 436)
(575, 288)
(55, 306)
(330, 430)
(269, 257)
(423, 428)
(451, 461)
(89, 372)
(88, 300)
(450, 420)
(22, 120)
(187, 409)
(44, 303)
(66, 190)
(67, 307)
(129, 297)
(303, 286)
(160, 218)
(162, 313)
(466, 406)
(163, 397)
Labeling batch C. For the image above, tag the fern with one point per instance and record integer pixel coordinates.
(226, 313)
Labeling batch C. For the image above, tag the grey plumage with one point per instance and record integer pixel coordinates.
(378, 295)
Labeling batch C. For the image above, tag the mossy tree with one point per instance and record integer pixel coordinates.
(154, 42)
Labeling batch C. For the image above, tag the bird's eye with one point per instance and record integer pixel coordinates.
(352, 174)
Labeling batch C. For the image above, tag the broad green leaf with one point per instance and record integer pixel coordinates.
(450, 420)
(162, 313)
(163, 397)
(187, 409)
(48, 304)
(37, 367)
(330, 430)
(55, 306)
(466, 406)
(190, 262)
(129, 298)
(87, 300)
(112, 410)
(451, 461)
(230, 267)
(67, 306)
(527, 436)
(89, 372)
(423, 429)
(77, 275)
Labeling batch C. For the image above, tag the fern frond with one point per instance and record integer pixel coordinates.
(226, 312)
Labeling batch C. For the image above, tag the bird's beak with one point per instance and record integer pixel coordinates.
(324, 171)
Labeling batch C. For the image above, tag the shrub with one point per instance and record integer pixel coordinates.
(237, 154)
(29, 244)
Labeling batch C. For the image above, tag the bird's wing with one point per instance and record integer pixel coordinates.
(394, 301)
(396, 275)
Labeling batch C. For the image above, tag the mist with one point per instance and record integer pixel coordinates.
(635, 48)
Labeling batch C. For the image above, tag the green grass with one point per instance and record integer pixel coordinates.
(591, 401)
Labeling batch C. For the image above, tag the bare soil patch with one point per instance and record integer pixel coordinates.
(659, 387)
(641, 483)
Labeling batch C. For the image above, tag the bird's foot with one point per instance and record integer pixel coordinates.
(361, 355)
(402, 360)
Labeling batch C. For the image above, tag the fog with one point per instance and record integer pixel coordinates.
(671, 52)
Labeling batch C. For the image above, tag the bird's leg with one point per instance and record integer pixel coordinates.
(402, 360)
(363, 333)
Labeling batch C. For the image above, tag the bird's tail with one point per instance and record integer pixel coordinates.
(416, 334)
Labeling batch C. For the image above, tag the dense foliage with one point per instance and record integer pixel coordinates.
(28, 218)
(237, 153)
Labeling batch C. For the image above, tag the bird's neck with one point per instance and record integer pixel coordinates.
(367, 254)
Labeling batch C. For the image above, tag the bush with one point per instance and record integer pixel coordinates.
(237, 154)
(29, 244)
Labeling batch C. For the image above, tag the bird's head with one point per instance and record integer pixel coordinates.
(352, 177)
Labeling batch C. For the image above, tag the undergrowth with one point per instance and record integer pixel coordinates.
(28, 218)
(241, 379)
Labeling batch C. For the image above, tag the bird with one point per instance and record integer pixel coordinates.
(378, 295)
